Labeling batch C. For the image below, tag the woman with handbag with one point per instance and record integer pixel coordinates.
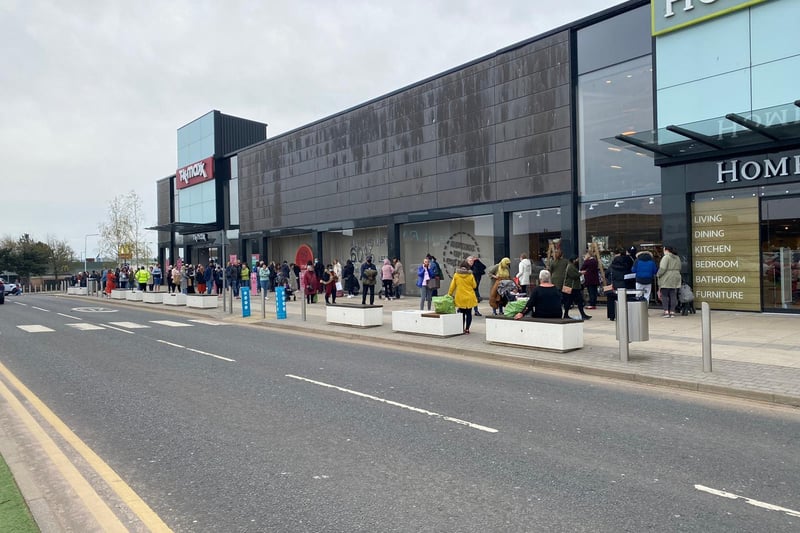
(572, 290)
(425, 278)
(499, 272)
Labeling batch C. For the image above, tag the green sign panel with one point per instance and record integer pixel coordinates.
(672, 15)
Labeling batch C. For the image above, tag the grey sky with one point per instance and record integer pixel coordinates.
(93, 92)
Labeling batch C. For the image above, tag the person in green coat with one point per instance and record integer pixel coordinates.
(669, 280)
(572, 279)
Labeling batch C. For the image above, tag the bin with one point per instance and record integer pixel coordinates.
(638, 324)
(92, 286)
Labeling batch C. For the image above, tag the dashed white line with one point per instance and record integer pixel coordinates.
(732, 496)
(40, 309)
(195, 350)
(35, 328)
(397, 404)
(171, 323)
(211, 355)
(70, 316)
(130, 325)
(109, 326)
(84, 326)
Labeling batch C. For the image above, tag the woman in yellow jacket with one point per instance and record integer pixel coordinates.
(462, 289)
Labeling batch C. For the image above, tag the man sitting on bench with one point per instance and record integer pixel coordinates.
(544, 301)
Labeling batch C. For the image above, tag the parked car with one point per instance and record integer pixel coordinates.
(9, 288)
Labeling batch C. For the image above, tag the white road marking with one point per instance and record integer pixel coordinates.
(69, 316)
(35, 328)
(40, 309)
(20, 303)
(129, 325)
(211, 355)
(118, 329)
(732, 496)
(196, 351)
(83, 326)
(397, 404)
(208, 322)
(171, 323)
(171, 343)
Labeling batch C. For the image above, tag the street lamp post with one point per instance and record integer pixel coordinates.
(85, 238)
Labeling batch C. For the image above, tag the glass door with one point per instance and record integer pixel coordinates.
(780, 254)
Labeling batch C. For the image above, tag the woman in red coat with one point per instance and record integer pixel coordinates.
(310, 283)
(110, 282)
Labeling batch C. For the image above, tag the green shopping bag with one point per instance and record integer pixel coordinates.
(444, 305)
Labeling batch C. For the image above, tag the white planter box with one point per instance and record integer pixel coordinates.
(78, 291)
(175, 298)
(354, 315)
(153, 297)
(427, 323)
(201, 301)
(134, 296)
(546, 334)
(119, 294)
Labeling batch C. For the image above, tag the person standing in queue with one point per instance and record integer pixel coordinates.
(572, 279)
(462, 289)
(424, 275)
(369, 276)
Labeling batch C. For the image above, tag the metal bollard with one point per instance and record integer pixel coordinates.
(622, 324)
(706, 316)
(303, 307)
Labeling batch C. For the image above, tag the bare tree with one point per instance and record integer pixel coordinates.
(61, 255)
(122, 233)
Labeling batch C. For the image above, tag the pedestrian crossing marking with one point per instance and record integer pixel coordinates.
(207, 322)
(172, 323)
(35, 328)
(129, 325)
(83, 326)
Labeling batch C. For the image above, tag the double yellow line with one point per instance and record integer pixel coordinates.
(99, 509)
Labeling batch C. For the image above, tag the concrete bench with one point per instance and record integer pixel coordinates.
(201, 301)
(78, 291)
(554, 334)
(153, 297)
(363, 316)
(427, 323)
(134, 296)
(175, 298)
(119, 294)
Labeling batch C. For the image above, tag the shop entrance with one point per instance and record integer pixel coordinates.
(780, 254)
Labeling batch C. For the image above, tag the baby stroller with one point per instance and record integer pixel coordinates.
(283, 281)
(685, 300)
(506, 290)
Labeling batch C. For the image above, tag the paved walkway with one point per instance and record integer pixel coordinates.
(755, 356)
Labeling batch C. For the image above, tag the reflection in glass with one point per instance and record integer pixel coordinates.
(611, 101)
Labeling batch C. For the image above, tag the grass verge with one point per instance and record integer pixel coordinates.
(14, 513)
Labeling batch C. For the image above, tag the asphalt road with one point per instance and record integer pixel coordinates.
(228, 428)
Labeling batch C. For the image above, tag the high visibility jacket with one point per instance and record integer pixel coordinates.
(142, 276)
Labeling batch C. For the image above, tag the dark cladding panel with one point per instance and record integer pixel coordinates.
(164, 206)
(497, 129)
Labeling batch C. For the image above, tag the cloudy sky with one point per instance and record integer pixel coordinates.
(92, 92)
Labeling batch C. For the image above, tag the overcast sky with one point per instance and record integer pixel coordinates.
(92, 92)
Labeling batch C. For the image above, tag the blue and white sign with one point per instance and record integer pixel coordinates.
(280, 302)
(245, 293)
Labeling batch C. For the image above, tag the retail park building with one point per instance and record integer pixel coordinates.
(666, 122)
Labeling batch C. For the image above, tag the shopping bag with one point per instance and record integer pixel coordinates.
(444, 305)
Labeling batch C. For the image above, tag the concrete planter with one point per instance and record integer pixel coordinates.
(201, 301)
(554, 334)
(78, 291)
(427, 323)
(175, 298)
(119, 294)
(153, 297)
(363, 316)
